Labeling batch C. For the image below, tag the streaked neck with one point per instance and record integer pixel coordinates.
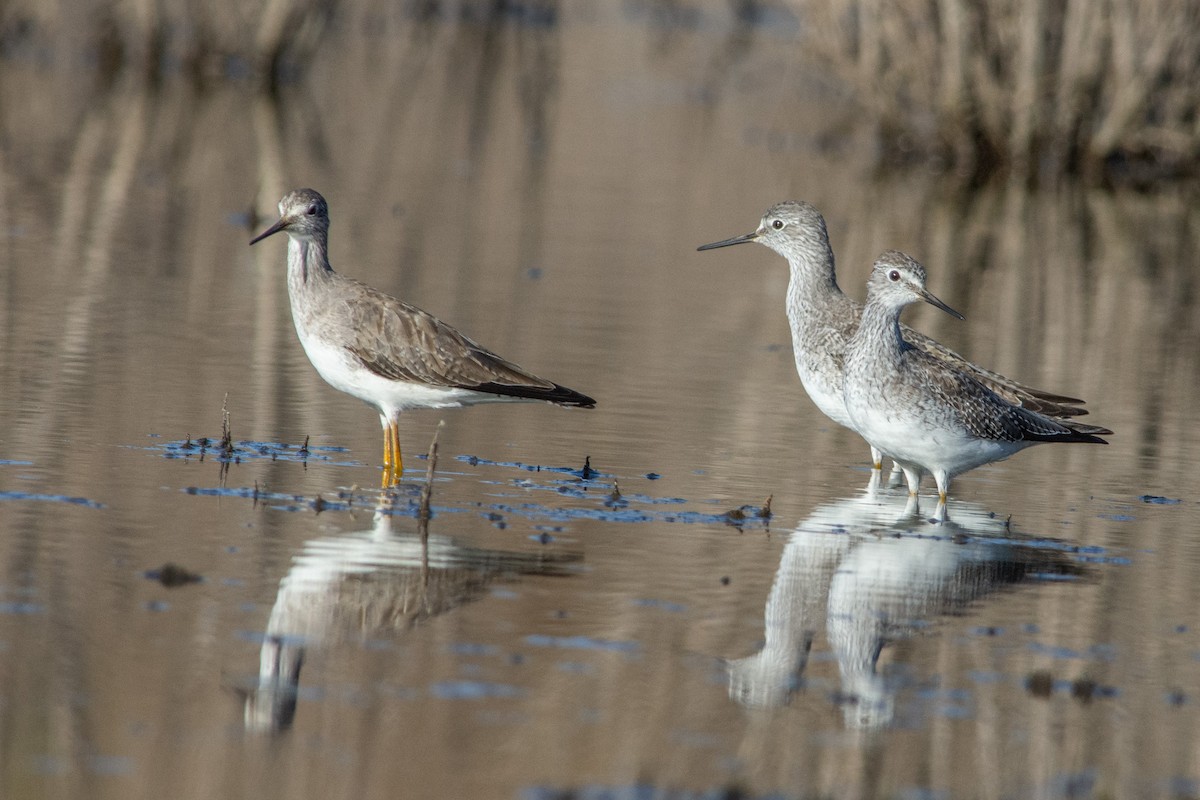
(878, 336)
(813, 295)
(307, 261)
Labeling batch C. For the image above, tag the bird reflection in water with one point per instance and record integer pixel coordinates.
(354, 587)
(871, 570)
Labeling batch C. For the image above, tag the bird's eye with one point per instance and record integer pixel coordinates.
(894, 275)
(777, 224)
(312, 210)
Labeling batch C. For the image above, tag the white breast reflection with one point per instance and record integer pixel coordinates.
(351, 588)
(870, 570)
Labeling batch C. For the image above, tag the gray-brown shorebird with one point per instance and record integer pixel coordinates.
(387, 353)
(927, 413)
(822, 319)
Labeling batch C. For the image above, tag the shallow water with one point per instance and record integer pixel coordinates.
(640, 630)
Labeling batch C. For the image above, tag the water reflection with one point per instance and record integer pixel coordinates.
(872, 570)
(372, 583)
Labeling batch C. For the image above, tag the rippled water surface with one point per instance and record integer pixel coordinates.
(687, 592)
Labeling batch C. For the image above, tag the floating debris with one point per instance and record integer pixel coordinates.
(1084, 689)
(614, 499)
(1040, 683)
(740, 515)
(587, 473)
(1160, 501)
(53, 498)
(172, 576)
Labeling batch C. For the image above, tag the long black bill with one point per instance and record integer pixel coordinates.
(274, 229)
(929, 297)
(748, 237)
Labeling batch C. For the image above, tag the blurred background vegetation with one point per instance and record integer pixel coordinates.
(1104, 90)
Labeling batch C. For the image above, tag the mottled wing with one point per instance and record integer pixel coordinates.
(1036, 400)
(401, 342)
(988, 415)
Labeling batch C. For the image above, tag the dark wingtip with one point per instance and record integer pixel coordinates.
(1051, 397)
(573, 399)
(1088, 433)
(1089, 439)
(559, 395)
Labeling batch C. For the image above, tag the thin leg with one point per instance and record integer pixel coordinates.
(387, 452)
(943, 484)
(894, 477)
(876, 459)
(913, 476)
(393, 463)
(387, 449)
(397, 458)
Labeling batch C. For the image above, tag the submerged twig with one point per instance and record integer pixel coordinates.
(226, 447)
(423, 512)
(765, 511)
(226, 434)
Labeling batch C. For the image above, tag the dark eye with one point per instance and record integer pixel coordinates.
(894, 275)
(312, 210)
(777, 224)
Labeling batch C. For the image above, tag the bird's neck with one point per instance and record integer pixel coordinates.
(812, 285)
(878, 337)
(307, 262)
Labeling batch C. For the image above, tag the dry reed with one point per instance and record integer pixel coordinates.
(1037, 88)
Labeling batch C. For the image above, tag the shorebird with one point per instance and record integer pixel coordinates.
(926, 413)
(387, 353)
(822, 319)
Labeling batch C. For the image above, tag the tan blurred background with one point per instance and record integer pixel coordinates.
(539, 175)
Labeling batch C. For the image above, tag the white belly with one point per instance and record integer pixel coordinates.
(826, 392)
(913, 440)
(344, 373)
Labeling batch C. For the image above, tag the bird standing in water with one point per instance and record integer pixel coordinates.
(925, 412)
(823, 319)
(387, 353)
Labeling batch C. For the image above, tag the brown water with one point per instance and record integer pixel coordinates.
(543, 187)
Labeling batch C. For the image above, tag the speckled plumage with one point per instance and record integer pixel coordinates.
(390, 354)
(823, 319)
(926, 413)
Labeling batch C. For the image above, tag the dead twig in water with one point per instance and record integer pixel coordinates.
(765, 511)
(423, 512)
(226, 434)
(226, 448)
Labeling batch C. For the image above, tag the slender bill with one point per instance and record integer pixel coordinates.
(274, 229)
(929, 297)
(746, 237)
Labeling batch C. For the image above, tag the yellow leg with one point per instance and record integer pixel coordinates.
(387, 455)
(397, 458)
(393, 464)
